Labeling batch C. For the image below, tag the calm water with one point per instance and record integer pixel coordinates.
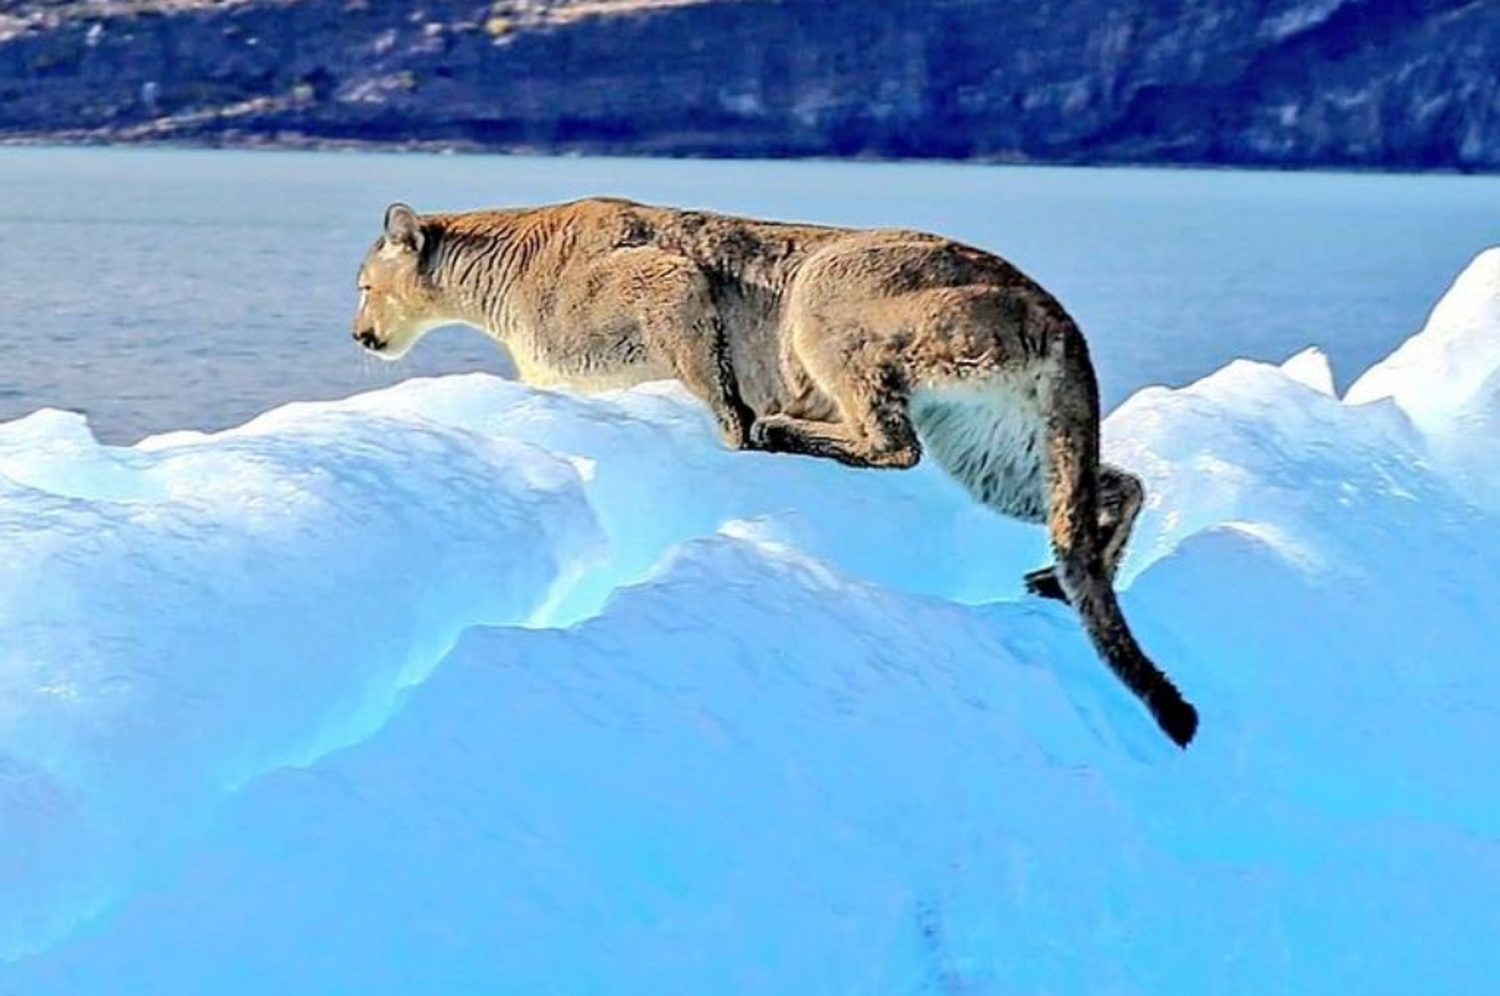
(157, 290)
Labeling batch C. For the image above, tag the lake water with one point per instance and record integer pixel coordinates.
(165, 289)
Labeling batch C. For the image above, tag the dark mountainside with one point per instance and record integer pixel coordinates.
(1397, 84)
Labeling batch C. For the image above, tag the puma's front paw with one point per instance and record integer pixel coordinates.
(734, 425)
(736, 437)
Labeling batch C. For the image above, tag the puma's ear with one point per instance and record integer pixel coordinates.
(403, 229)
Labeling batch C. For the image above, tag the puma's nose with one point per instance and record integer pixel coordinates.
(366, 338)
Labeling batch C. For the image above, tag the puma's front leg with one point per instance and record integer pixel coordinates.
(700, 360)
(681, 327)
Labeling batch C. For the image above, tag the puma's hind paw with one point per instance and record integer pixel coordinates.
(1043, 583)
(773, 434)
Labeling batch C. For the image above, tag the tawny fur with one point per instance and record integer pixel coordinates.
(865, 347)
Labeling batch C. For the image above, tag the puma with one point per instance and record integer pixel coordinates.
(866, 347)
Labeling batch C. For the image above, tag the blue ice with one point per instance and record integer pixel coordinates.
(467, 687)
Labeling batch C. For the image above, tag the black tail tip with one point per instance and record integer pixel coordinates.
(1174, 714)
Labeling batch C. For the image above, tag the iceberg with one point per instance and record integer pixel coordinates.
(464, 686)
(1446, 379)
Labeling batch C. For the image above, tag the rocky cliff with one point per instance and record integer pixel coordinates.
(1376, 83)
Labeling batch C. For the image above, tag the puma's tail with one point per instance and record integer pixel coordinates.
(1073, 471)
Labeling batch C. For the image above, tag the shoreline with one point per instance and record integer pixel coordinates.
(297, 142)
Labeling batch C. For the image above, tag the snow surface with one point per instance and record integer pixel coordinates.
(465, 687)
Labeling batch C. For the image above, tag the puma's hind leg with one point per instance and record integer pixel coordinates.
(870, 423)
(877, 434)
(1121, 495)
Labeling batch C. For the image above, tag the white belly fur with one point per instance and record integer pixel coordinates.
(990, 434)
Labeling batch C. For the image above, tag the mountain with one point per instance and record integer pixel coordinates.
(1392, 84)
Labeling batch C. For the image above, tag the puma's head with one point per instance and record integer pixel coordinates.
(398, 303)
